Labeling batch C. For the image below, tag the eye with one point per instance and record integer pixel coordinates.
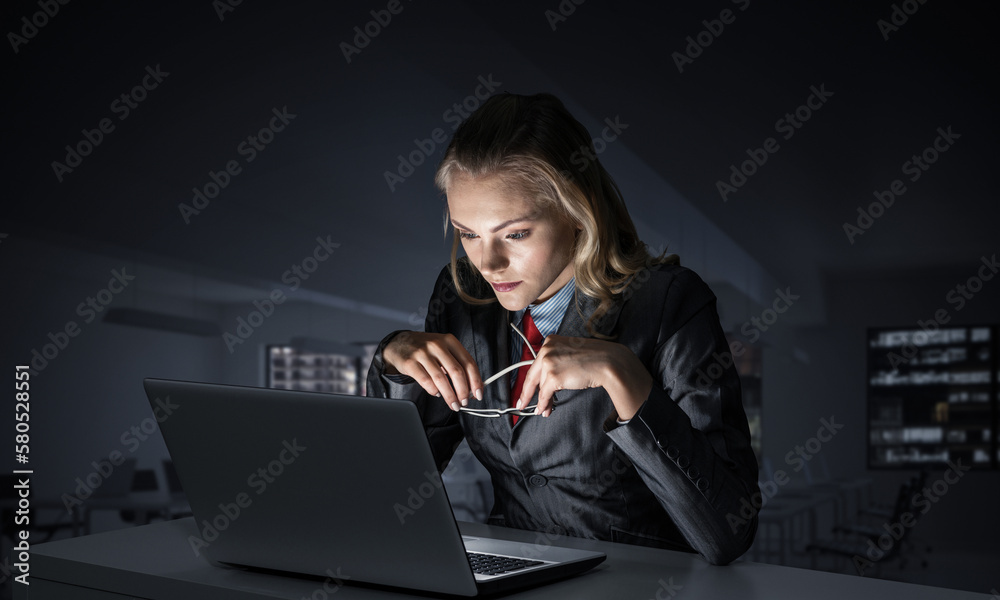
(520, 235)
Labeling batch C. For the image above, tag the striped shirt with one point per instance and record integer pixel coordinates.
(547, 317)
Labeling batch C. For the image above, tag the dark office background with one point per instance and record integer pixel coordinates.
(225, 71)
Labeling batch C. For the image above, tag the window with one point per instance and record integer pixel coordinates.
(291, 368)
(932, 397)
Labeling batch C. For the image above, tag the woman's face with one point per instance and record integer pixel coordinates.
(512, 240)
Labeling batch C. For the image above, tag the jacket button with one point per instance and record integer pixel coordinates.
(683, 462)
(693, 473)
(661, 441)
(673, 453)
(537, 480)
(702, 484)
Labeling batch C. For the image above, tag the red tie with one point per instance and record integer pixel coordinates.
(535, 339)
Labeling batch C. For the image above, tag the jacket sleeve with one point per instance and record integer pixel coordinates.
(444, 431)
(690, 440)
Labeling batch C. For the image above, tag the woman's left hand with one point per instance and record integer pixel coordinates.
(574, 363)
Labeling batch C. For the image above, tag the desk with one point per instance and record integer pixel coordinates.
(155, 562)
(145, 505)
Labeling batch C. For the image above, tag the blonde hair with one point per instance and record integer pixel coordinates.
(535, 147)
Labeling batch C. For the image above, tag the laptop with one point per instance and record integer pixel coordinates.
(321, 484)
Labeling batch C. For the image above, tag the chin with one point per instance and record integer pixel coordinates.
(512, 304)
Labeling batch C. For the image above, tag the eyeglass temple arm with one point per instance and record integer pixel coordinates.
(510, 368)
(515, 365)
(525, 340)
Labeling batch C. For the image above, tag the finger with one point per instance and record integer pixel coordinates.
(530, 383)
(442, 382)
(543, 403)
(551, 403)
(475, 379)
(469, 366)
(436, 382)
(544, 395)
(424, 379)
(456, 374)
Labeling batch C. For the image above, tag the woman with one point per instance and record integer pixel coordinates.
(607, 433)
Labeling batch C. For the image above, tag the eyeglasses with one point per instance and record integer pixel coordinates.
(527, 411)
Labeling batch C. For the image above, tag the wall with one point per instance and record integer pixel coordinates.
(833, 384)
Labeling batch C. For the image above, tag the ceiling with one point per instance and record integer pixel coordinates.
(323, 174)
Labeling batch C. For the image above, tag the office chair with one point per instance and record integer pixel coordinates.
(883, 512)
(865, 549)
(908, 547)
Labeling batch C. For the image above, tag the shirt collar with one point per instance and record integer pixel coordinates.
(548, 314)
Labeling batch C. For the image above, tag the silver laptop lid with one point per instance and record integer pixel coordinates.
(270, 475)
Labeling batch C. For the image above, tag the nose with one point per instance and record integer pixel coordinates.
(492, 259)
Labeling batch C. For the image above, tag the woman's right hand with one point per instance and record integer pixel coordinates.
(438, 362)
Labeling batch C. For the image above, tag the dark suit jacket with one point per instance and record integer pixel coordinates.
(678, 475)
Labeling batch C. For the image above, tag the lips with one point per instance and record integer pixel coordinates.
(505, 287)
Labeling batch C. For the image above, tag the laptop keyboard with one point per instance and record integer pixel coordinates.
(492, 564)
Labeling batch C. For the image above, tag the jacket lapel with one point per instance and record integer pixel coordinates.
(491, 334)
(574, 323)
